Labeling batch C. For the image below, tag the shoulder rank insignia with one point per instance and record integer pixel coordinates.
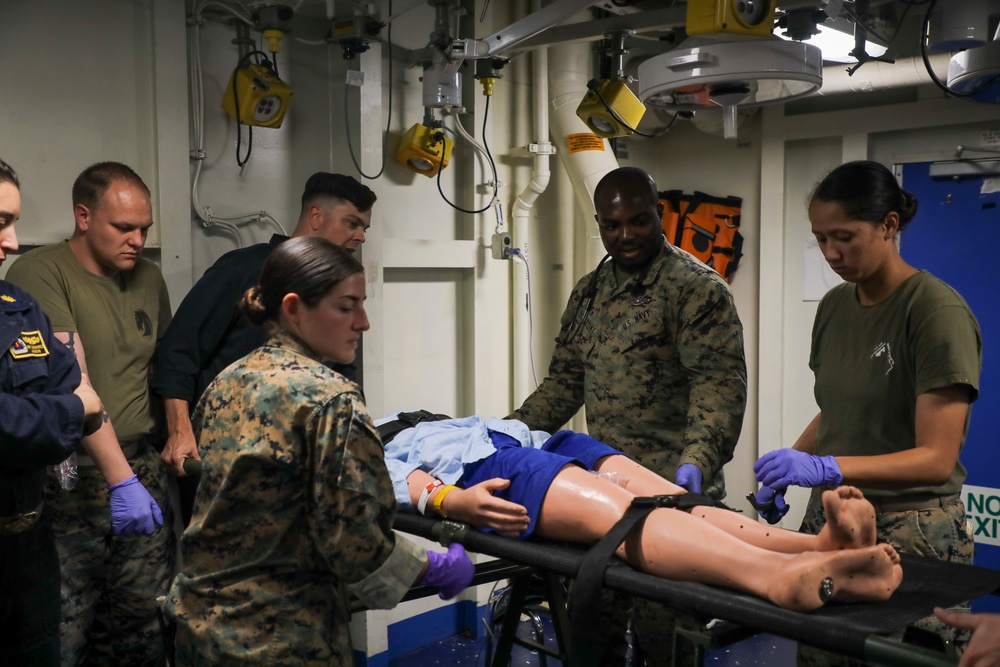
(8, 298)
(30, 344)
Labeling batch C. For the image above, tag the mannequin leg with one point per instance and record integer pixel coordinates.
(850, 518)
(678, 545)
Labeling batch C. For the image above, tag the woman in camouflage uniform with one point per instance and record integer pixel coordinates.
(295, 507)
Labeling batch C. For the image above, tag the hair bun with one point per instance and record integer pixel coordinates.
(907, 207)
(252, 306)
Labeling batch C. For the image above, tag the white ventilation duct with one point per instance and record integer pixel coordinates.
(875, 75)
(587, 159)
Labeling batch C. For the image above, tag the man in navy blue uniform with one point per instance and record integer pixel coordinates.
(208, 332)
(46, 406)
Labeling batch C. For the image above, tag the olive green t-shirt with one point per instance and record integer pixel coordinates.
(871, 363)
(118, 320)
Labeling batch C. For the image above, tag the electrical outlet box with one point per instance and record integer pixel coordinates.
(501, 246)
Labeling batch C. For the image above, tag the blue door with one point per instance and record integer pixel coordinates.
(956, 236)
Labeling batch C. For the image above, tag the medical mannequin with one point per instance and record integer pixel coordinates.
(707, 544)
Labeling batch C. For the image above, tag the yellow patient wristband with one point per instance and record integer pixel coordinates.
(439, 498)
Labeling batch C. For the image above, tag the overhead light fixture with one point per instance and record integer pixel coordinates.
(424, 150)
(976, 72)
(958, 24)
(738, 72)
(256, 96)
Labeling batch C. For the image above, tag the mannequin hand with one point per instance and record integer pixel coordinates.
(784, 467)
(478, 507)
(689, 476)
(450, 573)
(771, 504)
(133, 510)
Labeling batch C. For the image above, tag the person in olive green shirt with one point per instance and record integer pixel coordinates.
(109, 306)
(897, 355)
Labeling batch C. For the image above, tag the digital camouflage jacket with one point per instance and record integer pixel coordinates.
(657, 359)
(294, 506)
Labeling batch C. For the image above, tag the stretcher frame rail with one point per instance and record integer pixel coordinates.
(858, 630)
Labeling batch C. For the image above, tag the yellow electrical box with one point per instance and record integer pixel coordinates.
(740, 17)
(424, 150)
(261, 97)
(600, 120)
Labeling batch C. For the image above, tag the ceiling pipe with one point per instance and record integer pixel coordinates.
(875, 76)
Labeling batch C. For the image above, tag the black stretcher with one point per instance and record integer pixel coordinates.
(857, 630)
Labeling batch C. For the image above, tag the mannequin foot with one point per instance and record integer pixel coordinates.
(812, 579)
(850, 520)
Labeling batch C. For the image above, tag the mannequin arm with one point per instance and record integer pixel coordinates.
(476, 505)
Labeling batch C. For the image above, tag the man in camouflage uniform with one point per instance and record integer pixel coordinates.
(651, 344)
(109, 306)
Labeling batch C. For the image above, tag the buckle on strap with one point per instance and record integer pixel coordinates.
(763, 508)
(681, 501)
(20, 523)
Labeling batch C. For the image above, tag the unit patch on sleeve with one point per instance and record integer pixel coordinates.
(30, 344)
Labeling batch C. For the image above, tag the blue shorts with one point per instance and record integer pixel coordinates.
(531, 471)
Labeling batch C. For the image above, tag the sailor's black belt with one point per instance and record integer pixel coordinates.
(20, 523)
(910, 503)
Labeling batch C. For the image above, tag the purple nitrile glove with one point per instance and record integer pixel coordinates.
(689, 476)
(771, 504)
(782, 468)
(450, 573)
(133, 510)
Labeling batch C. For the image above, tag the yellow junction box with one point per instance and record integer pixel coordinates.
(263, 97)
(601, 121)
(740, 17)
(424, 150)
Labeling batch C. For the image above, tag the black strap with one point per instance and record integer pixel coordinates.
(585, 605)
(674, 197)
(405, 420)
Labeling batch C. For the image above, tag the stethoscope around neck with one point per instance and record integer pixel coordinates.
(590, 295)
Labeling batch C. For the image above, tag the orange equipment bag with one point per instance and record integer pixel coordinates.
(707, 227)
